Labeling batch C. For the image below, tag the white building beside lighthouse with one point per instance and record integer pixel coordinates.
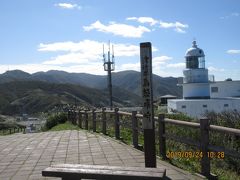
(202, 94)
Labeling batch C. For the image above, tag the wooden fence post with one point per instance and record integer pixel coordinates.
(80, 119)
(134, 129)
(205, 161)
(86, 119)
(74, 117)
(69, 115)
(104, 121)
(94, 120)
(117, 124)
(162, 138)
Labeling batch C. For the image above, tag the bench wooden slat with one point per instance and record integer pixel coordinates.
(78, 171)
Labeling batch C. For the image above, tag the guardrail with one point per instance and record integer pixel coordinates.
(205, 149)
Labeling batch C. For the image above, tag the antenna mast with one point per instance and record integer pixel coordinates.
(109, 66)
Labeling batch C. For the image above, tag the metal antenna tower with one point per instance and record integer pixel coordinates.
(109, 66)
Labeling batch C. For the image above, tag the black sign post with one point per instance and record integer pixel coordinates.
(148, 114)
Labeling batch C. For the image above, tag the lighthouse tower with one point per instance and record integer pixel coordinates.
(195, 80)
(201, 95)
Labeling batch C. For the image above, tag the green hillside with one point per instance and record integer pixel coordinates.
(38, 96)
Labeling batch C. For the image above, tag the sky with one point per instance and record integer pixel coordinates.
(69, 35)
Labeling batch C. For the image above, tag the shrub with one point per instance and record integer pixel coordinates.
(180, 116)
(53, 120)
(62, 118)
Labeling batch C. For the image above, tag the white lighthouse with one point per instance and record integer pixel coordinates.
(200, 95)
(195, 80)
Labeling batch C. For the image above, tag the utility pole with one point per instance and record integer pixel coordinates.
(109, 66)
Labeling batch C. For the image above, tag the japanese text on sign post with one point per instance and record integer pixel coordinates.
(146, 78)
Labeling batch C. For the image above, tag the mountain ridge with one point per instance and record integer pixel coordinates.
(127, 80)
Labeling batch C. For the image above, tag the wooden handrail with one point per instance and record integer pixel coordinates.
(203, 145)
(125, 113)
(225, 130)
(182, 123)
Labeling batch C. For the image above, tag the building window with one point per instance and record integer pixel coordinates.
(183, 106)
(214, 89)
(225, 105)
(204, 105)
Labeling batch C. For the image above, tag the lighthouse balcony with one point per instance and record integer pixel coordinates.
(195, 76)
(181, 80)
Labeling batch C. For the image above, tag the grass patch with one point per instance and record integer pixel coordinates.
(65, 126)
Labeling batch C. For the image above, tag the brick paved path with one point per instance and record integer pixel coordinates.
(24, 156)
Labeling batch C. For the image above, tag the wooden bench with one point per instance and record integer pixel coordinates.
(79, 171)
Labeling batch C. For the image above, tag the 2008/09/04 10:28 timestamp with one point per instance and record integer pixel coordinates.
(194, 154)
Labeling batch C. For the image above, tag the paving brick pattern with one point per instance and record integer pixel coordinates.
(24, 156)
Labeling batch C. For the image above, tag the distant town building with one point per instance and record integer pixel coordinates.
(201, 93)
(165, 98)
(32, 124)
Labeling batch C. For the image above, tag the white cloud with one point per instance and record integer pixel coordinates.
(159, 67)
(73, 58)
(93, 47)
(68, 6)
(149, 20)
(86, 56)
(161, 58)
(126, 50)
(89, 46)
(129, 66)
(61, 46)
(77, 53)
(123, 30)
(81, 56)
(176, 65)
(86, 51)
(177, 26)
(131, 18)
(233, 51)
(213, 69)
(169, 69)
(234, 14)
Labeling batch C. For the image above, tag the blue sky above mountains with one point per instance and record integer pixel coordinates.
(68, 35)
